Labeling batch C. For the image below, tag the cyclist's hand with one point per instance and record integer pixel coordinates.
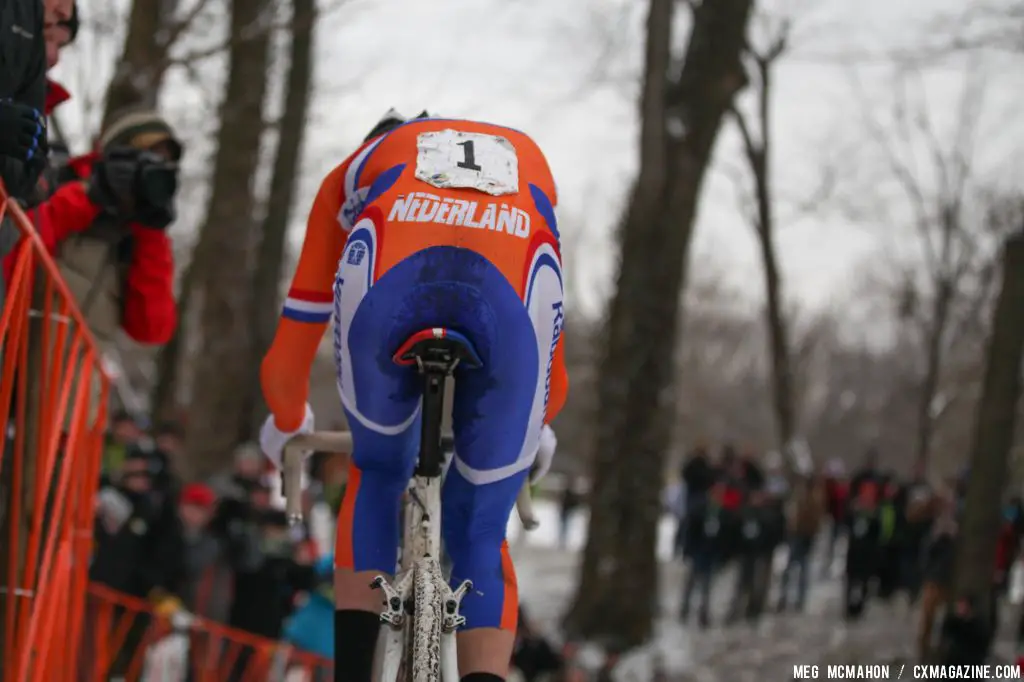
(545, 454)
(272, 439)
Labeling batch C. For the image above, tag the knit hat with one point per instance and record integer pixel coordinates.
(198, 494)
(140, 129)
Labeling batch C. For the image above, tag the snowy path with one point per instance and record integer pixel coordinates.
(742, 652)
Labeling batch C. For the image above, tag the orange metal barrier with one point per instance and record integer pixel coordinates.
(124, 638)
(53, 397)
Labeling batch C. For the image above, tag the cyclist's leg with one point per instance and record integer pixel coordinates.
(381, 404)
(498, 412)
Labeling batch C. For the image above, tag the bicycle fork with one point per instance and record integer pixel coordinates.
(420, 556)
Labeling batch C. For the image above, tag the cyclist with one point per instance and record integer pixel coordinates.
(430, 223)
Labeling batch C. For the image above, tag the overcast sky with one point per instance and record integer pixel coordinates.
(565, 72)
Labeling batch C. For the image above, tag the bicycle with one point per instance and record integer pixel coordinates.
(425, 640)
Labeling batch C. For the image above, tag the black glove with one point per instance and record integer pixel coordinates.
(135, 185)
(156, 217)
(22, 133)
(112, 183)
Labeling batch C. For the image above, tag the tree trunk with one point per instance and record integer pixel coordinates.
(758, 154)
(617, 597)
(993, 436)
(144, 59)
(273, 250)
(164, 400)
(778, 340)
(933, 369)
(224, 253)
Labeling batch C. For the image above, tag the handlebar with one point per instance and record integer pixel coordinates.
(295, 451)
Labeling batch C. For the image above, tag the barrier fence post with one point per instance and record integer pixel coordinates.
(11, 540)
(20, 503)
(52, 412)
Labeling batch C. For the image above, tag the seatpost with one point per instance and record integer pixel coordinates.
(431, 460)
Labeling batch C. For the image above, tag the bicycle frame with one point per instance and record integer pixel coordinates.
(420, 571)
(299, 447)
(419, 566)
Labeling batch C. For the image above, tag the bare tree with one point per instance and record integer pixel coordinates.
(935, 174)
(755, 130)
(994, 429)
(983, 25)
(223, 259)
(155, 33)
(139, 73)
(271, 250)
(683, 102)
(271, 253)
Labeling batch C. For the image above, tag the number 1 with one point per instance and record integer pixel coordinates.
(470, 156)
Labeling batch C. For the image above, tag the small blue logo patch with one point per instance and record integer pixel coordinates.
(356, 253)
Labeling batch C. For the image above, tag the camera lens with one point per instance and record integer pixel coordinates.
(159, 182)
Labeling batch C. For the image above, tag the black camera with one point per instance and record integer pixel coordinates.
(156, 181)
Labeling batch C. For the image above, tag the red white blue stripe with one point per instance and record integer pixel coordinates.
(314, 307)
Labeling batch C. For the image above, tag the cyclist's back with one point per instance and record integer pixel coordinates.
(436, 223)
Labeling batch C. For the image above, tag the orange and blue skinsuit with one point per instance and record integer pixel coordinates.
(438, 223)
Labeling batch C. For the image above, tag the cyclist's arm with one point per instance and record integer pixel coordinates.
(307, 310)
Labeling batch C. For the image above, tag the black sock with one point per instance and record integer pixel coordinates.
(355, 642)
(482, 677)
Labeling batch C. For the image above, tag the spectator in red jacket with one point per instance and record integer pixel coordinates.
(107, 228)
(59, 35)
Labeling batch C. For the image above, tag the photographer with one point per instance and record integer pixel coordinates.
(107, 227)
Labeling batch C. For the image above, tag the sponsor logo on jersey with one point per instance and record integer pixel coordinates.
(352, 207)
(557, 333)
(356, 253)
(424, 207)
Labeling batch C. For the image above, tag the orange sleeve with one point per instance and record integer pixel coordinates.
(284, 373)
(559, 380)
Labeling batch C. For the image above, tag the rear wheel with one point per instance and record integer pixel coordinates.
(425, 644)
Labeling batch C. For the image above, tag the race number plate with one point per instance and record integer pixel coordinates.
(454, 159)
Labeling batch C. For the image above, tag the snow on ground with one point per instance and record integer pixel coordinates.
(740, 653)
(768, 650)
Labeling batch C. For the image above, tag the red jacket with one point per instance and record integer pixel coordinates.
(150, 312)
(55, 95)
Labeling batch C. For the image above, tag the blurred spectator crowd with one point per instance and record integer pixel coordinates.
(221, 549)
(774, 536)
(898, 532)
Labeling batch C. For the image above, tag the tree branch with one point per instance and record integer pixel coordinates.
(751, 148)
(178, 27)
(254, 32)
